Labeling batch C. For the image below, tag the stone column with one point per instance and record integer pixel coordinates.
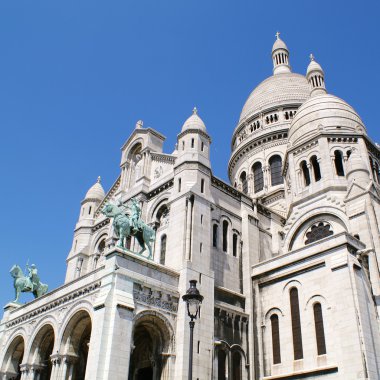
(56, 362)
(189, 212)
(25, 371)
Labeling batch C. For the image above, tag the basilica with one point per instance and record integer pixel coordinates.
(286, 255)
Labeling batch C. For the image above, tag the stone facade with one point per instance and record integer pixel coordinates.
(286, 256)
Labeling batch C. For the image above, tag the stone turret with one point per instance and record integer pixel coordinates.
(280, 56)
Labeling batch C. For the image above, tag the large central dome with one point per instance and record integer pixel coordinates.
(275, 91)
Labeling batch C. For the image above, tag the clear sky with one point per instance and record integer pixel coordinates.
(75, 76)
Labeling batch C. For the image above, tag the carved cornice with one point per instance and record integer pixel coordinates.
(100, 224)
(256, 145)
(162, 157)
(161, 188)
(305, 147)
(56, 303)
(219, 184)
(194, 130)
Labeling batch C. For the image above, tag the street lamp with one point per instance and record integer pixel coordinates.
(193, 301)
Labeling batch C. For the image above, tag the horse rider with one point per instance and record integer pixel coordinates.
(33, 276)
(135, 216)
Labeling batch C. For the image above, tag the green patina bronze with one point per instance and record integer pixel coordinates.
(30, 283)
(130, 224)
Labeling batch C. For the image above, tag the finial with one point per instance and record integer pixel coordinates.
(139, 124)
(278, 35)
(311, 57)
(99, 179)
(195, 111)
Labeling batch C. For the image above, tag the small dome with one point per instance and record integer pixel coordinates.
(313, 66)
(194, 122)
(279, 44)
(96, 191)
(323, 112)
(276, 91)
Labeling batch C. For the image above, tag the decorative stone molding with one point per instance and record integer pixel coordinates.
(154, 298)
(100, 225)
(160, 189)
(55, 304)
(162, 157)
(305, 147)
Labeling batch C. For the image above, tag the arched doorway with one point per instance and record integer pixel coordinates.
(13, 358)
(151, 346)
(41, 350)
(75, 342)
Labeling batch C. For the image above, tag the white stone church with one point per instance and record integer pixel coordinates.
(286, 256)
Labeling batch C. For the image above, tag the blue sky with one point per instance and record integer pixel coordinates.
(75, 76)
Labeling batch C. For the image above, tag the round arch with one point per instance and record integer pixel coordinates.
(13, 357)
(152, 337)
(41, 348)
(75, 342)
(328, 214)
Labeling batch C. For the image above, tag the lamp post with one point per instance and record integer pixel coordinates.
(193, 301)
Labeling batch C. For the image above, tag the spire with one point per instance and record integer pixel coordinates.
(316, 77)
(280, 56)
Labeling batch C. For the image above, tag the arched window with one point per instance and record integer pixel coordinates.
(339, 163)
(234, 245)
(225, 236)
(305, 172)
(101, 246)
(236, 365)
(296, 324)
(318, 231)
(316, 168)
(163, 250)
(275, 163)
(275, 339)
(258, 177)
(222, 359)
(215, 235)
(319, 330)
(244, 182)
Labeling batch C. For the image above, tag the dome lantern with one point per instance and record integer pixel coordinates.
(280, 56)
(316, 77)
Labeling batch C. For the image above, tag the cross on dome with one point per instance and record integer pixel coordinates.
(278, 35)
(195, 111)
(99, 179)
(311, 57)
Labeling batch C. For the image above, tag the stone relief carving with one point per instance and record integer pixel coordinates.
(158, 172)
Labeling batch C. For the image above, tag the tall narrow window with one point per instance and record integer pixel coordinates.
(202, 185)
(192, 143)
(339, 163)
(275, 339)
(202, 146)
(179, 185)
(258, 177)
(275, 163)
(316, 168)
(215, 235)
(305, 172)
(222, 365)
(89, 210)
(296, 324)
(236, 366)
(244, 182)
(225, 235)
(234, 245)
(319, 330)
(163, 250)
